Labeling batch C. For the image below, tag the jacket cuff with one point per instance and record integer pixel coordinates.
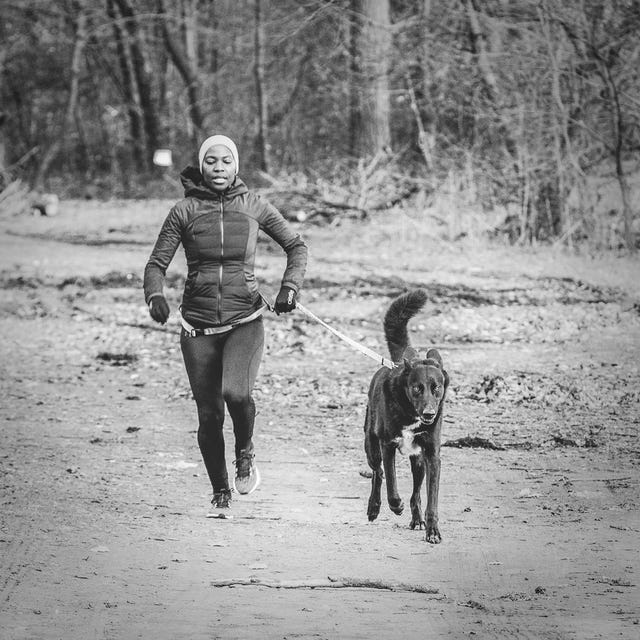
(291, 285)
(154, 295)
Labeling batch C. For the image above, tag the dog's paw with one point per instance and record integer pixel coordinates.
(417, 522)
(397, 506)
(433, 535)
(373, 510)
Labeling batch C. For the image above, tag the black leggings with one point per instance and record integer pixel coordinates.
(222, 368)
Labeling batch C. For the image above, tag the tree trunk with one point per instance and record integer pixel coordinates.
(563, 147)
(72, 101)
(479, 44)
(190, 12)
(276, 117)
(142, 76)
(4, 174)
(162, 66)
(187, 68)
(213, 53)
(190, 18)
(261, 98)
(425, 54)
(370, 53)
(419, 95)
(617, 122)
(355, 70)
(128, 87)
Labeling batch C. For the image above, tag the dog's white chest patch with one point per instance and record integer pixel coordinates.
(406, 443)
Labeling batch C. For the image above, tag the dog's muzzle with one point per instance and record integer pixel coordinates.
(425, 423)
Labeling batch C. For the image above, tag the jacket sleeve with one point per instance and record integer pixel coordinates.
(275, 226)
(165, 248)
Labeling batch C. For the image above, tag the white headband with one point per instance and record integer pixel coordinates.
(218, 139)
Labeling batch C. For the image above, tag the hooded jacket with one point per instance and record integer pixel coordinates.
(219, 233)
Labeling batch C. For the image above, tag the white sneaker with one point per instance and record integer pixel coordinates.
(247, 477)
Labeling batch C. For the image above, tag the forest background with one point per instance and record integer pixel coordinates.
(510, 118)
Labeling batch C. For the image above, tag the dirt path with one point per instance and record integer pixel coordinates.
(103, 494)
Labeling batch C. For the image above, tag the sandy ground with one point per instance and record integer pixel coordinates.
(103, 495)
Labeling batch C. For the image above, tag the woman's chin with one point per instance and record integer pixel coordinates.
(218, 185)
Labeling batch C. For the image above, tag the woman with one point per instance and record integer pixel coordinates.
(222, 335)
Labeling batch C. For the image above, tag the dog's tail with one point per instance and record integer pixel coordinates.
(402, 309)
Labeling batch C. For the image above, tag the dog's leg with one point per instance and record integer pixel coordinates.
(389, 461)
(418, 472)
(374, 458)
(433, 486)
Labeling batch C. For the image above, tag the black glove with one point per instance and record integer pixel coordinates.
(159, 309)
(286, 301)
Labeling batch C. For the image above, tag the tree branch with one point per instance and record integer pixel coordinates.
(329, 583)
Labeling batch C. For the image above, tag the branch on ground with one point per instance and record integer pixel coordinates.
(329, 583)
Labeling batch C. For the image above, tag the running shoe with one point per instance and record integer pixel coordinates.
(221, 502)
(247, 475)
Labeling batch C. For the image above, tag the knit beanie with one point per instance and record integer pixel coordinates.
(218, 139)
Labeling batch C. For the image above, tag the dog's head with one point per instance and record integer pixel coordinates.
(425, 383)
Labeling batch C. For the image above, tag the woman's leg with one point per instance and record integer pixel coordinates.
(203, 362)
(241, 360)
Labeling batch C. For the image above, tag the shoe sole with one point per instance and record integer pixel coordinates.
(256, 482)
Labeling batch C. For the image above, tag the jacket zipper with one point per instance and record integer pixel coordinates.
(221, 259)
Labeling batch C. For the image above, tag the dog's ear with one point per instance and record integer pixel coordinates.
(434, 354)
(446, 380)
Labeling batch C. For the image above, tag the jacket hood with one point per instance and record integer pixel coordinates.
(194, 186)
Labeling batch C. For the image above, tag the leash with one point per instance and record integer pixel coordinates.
(370, 353)
(386, 362)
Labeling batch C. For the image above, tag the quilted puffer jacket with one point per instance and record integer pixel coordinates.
(219, 233)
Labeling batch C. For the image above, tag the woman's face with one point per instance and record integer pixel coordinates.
(218, 167)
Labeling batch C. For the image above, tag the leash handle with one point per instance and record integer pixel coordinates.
(267, 302)
(385, 362)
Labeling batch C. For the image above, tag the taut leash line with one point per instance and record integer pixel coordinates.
(386, 362)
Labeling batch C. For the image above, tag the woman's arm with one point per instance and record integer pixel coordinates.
(165, 248)
(274, 225)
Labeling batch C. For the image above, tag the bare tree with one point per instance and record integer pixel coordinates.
(80, 40)
(606, 39)
(480, 48)
(128, 87)
(142, 74)
(262, 148)
(370, 52)
(186, 62)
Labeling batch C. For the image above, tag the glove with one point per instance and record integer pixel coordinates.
(159, 309)
(286, 301)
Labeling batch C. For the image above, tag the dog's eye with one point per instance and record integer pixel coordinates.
(417, 389)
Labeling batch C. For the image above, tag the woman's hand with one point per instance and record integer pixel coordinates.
(159, 309)
(286, 301)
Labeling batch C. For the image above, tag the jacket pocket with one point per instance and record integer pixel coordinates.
(252, 285)
(190, 284)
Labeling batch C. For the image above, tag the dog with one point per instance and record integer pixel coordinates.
(404, 410)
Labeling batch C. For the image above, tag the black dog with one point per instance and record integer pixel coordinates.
(412, 392)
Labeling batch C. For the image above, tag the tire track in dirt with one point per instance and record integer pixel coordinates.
(17, 556)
